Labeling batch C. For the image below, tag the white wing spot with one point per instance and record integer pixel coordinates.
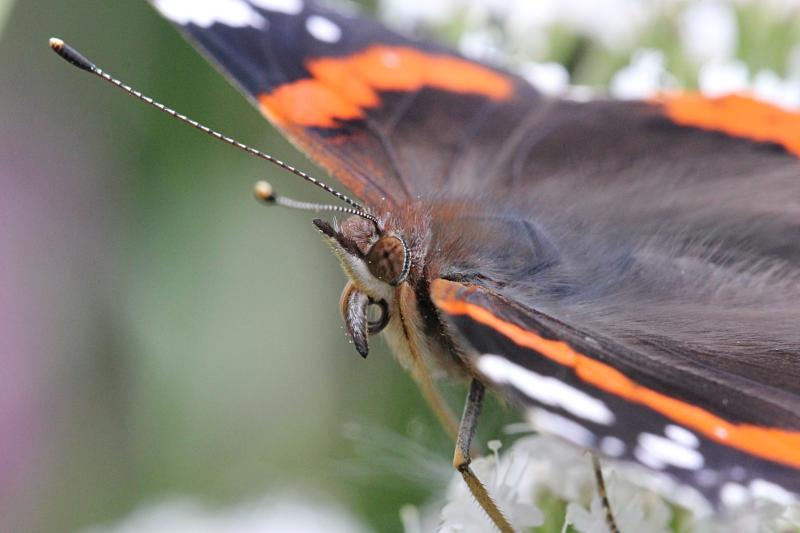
(770, 491)
(734, 494)
(682, 436)
(323, 29)
(648, 458)
(547, 390)
(721, 432)
(565, 428)
(234, 13)
(288, 7)
(669, 452)
(612, 446)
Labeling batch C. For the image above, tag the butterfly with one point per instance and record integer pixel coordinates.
(627, 273)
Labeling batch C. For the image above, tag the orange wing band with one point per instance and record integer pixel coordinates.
(736, 115)
(776, 445)
(343, 88)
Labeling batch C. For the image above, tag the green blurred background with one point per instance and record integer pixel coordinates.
(161, 332)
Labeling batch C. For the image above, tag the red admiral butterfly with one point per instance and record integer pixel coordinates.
(626, 272)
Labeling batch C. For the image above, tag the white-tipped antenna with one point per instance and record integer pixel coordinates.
(264, 192)
(74, 57)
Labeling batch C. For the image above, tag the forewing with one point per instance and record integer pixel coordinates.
(397, 119)
(600, 394)
(387, 115)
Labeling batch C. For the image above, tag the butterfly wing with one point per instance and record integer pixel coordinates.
(713, 430)
(693, 422)
(386, 115)
(640, 287)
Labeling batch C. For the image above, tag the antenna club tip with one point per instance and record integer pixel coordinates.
(71, 55)
(264, 192)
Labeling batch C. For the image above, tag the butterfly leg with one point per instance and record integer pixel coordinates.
(407, 304)
(601, 490)
(462, 459)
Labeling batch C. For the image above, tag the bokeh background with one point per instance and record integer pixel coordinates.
(164, 336)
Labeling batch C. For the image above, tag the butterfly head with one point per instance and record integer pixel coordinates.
(376, 262)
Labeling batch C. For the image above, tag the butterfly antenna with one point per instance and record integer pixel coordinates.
(77, 59)
(264, 192)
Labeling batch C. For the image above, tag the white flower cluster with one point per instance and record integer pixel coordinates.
(538, 469)
(516, 33)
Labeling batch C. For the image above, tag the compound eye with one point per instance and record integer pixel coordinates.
(388, 260)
